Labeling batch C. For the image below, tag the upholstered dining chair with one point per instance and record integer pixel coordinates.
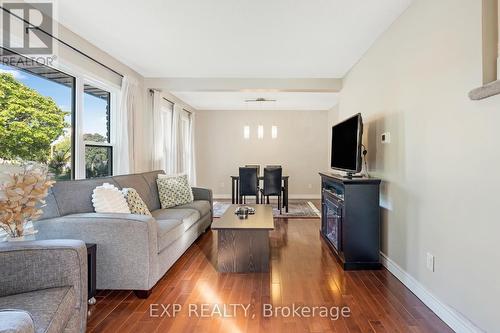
(272, 184)
(256, 166)
(249, 184)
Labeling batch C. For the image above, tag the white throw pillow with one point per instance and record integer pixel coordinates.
(109, 199)
(174, 190)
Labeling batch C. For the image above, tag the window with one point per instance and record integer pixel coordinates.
(54, 118)
(37, 114)
(97, 132)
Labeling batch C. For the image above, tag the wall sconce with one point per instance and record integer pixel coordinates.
(246, 132)
(274, 132)
(260, 132)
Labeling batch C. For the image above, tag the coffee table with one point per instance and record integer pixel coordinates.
(243, 245)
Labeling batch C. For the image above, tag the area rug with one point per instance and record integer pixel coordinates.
(298, 208)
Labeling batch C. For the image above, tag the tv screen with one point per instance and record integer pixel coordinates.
(346, 145)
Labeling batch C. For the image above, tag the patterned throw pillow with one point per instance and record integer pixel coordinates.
(174, 190)
(135, 202)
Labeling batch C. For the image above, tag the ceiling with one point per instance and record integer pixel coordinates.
(233, 38)
(236, 100)
(215, 54)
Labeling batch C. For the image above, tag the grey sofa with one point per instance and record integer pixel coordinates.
(43, 286)
(133, 251)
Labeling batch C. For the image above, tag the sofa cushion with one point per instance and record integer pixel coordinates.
(174, 190)
(202, 206)
(168, 232)
(50, 309)
(16, 321)
(140, 184)
(188, 217)
(150, 178)
(50, 209)
(75, 196)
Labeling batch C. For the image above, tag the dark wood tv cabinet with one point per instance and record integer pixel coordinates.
(350, 219)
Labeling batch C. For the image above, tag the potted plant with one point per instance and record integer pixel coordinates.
(22, 193)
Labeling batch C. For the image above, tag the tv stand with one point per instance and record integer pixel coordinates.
(352, 175)
(350, 220)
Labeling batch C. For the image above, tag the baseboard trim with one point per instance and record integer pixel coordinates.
(451, 317)
(291, 196)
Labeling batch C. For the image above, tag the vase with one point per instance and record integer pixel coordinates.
(28, 233)
(25, 237)
(15, 239)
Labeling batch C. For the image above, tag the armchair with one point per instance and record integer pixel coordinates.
(43, 286)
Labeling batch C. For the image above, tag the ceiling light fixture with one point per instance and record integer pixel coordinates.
(274, 131)
(260, 132)
(260, 99)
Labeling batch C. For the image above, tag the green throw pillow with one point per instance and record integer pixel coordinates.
(174, 190)
(135, 202)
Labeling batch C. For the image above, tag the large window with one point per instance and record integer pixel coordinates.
(97, 132)
(41, 121)
(37, 115)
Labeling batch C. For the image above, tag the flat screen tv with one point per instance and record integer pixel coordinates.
(346, 145)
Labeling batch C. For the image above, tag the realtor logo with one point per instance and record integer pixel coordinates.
(27, 27)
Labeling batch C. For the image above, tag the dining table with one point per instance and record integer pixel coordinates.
(235, 185)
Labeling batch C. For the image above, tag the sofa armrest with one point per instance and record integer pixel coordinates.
(126, 245)
(36, 265)
(202, 194)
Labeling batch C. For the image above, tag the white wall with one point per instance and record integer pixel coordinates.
(440, 188)
(301, 147)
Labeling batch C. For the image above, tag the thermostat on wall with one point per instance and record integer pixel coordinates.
(386, 137)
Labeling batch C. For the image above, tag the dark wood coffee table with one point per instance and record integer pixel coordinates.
(243, 245)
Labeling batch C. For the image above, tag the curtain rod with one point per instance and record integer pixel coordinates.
(62, 42)
(151, 90)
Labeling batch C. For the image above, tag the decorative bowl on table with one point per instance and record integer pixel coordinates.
(243, 211)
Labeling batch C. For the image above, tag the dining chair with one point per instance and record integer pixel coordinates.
(249, 183)
(256, 166)
(272, 184)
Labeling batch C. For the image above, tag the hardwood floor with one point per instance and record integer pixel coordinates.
(303, 272)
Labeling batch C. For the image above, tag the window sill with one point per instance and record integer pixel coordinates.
(488, 90)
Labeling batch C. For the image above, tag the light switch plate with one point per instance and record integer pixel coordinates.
(430, 262)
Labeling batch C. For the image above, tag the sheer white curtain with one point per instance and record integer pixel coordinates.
(158, 157)
(185, 145)
(129, 103)
(191, 154)
(174, 161)
(173, 138)
(162, 132)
